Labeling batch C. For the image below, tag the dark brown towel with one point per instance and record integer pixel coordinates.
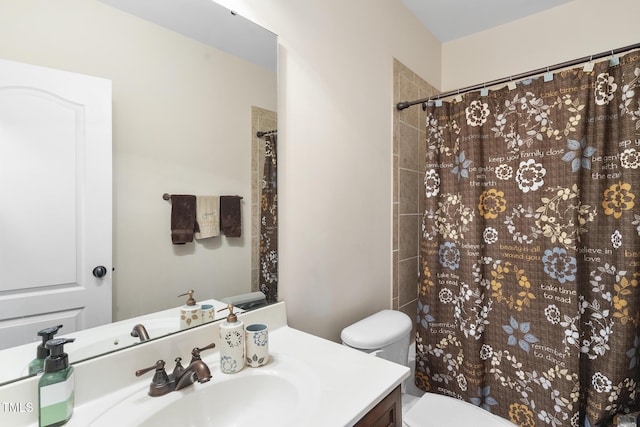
(230, 216)
(183, 218)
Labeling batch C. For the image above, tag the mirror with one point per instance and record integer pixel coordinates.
(185, 117)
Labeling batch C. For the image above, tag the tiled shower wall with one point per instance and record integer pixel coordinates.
(261, 120)
(408, 194)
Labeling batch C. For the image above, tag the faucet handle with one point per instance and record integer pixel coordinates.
(179, 369)
(195, 353)
(159, 365)
(161, 383)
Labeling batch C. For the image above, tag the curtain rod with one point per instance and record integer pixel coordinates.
(260, 133)
(402, 105)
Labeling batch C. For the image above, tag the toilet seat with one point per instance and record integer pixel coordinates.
(436, 410)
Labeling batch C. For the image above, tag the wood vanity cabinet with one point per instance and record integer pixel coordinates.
(387, 413)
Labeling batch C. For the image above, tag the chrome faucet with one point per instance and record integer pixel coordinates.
(181, 377)
(139, 331)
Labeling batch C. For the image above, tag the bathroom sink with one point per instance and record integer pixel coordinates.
(247, 401)
(84, 348)
(278, 394)
(115, 337)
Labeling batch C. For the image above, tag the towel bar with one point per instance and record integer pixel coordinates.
(167, 196)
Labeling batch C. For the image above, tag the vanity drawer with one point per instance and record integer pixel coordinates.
(387, 413)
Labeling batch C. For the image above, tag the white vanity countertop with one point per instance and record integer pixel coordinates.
(350, 382)
(343, 384)
(346, 383)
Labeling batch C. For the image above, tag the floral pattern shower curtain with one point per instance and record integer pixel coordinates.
(269, 221)
(530, 252)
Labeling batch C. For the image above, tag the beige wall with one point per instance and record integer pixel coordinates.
(573, 30)
(335, 110)
(172, 132)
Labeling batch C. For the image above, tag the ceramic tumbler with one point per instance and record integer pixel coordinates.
(257, 344)
(208, 313)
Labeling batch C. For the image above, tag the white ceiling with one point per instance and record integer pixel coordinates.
(452, 19)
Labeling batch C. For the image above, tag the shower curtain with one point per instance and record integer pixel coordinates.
(528, 301)
(269, 221)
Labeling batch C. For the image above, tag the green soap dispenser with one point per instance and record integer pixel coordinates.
(37, 365)
(56, 386)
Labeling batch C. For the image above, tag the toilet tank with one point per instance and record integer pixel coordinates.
(386, 334)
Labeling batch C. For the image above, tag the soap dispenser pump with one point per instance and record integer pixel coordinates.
(231, 343)
(56, 387)
(36, 366)
(191, 312)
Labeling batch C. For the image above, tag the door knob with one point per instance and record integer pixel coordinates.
(100, 271)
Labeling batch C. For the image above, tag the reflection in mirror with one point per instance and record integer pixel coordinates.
(184, 121)
(268, 261)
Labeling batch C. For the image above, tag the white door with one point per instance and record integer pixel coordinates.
(55, 201)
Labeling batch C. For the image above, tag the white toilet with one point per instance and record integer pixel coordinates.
(387, 334)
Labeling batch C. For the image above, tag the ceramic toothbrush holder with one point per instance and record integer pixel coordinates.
(257, 344)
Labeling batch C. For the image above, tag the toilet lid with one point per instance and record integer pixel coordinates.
(436, 410)
(378, 330)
